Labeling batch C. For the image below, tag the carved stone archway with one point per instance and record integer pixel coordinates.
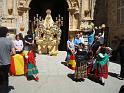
(21, 12)
(73, 13)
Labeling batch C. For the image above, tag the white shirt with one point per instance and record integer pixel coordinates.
(18, 44)
(70, 45)
(101, 39)
(82, 39)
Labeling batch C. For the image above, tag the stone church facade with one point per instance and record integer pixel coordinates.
(14, 14)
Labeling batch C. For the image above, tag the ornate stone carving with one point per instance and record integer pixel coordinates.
(48, 35)
(22, 7)
(74, 9)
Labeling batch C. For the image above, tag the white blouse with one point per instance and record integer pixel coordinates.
(18, 44)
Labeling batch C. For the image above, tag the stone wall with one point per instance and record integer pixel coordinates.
(115, 29)
(100, 12)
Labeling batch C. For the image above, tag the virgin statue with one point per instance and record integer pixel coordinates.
(48, 22)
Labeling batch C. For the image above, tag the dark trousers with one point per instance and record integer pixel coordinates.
(4, 81)
(122, 67)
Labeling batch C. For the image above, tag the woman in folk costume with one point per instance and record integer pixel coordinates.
(90, 62)
(70, 47)
(81, 63)
(101, 64)
(70, 52)
(32, 70)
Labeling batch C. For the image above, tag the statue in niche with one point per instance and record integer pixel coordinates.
(75, 5)
(48, 35)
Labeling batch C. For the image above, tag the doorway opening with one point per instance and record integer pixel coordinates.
(58, 7)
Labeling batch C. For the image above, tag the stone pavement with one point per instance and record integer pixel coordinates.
(54, 79)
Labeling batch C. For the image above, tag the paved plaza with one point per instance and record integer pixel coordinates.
(54, 79)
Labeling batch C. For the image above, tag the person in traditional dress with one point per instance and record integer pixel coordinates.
(70, 47)
(95, 45)
(18, 44)
(90, 62)
(101, 65)
(81, 63)
(32, 71)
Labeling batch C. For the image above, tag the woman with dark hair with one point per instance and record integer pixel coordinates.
(3, 31)
(81, 63)
(18, 43)
(29, 41)
(6, 49)
(101, 64)
(22, 38)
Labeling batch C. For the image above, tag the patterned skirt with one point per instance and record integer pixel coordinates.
(81, 70)
(102, 71)
(32, 70)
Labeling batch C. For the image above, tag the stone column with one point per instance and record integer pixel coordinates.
(92, 6)
(5, 8)
(14, 7)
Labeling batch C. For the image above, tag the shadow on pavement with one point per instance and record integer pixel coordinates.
(71, 76)
(94, 79)
(64, 63)
(113, 74)
(10, 88)
(121, 89)
(3, 89)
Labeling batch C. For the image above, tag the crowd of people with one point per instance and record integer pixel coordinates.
(86, 58)
(17, 57)
(91, 58)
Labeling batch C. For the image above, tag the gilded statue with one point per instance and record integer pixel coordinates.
(48, 35)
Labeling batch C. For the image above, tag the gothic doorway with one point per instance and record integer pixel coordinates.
(57, 7)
